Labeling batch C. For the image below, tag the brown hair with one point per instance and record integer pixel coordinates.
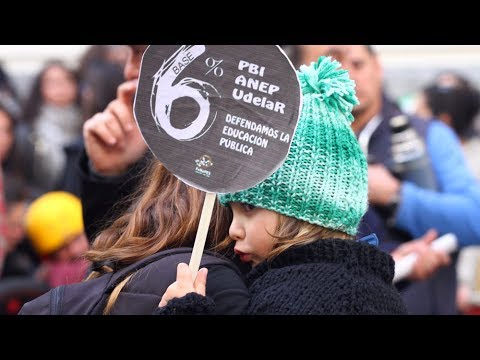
(164, 214)
(294, 232)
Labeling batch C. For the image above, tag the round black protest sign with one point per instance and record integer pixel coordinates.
(219, 117)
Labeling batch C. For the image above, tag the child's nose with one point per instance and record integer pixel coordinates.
(236, 231)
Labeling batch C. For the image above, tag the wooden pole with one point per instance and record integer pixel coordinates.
(202, 231)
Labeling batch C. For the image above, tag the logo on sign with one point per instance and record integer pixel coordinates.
(203, 164)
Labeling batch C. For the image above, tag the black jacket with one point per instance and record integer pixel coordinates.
(105, 198)
(70, 180)
(144, 290)
(323, 278)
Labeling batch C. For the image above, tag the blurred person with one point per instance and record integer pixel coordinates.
(21, 259)
(111, 54)
(455, 101)
(400, 210)
(12, 201)
(452, 99)
(54, 226)
(7, 126)
(99, 82)
(18, 261)
(99, 86)
(115, 156)
(51, 119)
(13, 180)
(7, 137)
(297, 228)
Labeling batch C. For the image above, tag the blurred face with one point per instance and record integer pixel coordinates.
(250, 229)
(363, 67)
(78, 246)
(58, 87)
(74, 249)
(6, 135)
(134, 61)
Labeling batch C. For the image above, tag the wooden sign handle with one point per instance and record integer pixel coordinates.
(202, 231)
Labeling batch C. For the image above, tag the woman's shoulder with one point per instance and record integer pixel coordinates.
(159, 273)
(225, 283)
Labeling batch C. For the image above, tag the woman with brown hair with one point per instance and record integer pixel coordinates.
(161, 217)
(164, 215)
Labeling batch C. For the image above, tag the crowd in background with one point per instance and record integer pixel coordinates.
(42, 235)
(41, 138)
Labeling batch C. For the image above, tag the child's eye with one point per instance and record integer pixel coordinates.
(248, 207)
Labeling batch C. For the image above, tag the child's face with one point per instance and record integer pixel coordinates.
(251, 228)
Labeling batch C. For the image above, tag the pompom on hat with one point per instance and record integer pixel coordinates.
(324, 177)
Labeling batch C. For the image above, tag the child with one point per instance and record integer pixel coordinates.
(297, 228)
(54, 226)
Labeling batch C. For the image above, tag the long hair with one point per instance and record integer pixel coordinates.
(460, 100)
(293, 232)
(164, 214)
(34, 101)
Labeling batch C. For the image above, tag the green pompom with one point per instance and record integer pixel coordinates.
(330, 84)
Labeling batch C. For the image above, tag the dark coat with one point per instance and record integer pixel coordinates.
(70, 180)
(144, 290)
(323, 278)
(105, 198)
(435, 295)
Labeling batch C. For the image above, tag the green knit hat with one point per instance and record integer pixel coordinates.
(324, 177)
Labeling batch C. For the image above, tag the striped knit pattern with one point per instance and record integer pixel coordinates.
(324, 177)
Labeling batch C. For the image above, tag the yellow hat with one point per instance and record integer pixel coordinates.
(52, 219)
